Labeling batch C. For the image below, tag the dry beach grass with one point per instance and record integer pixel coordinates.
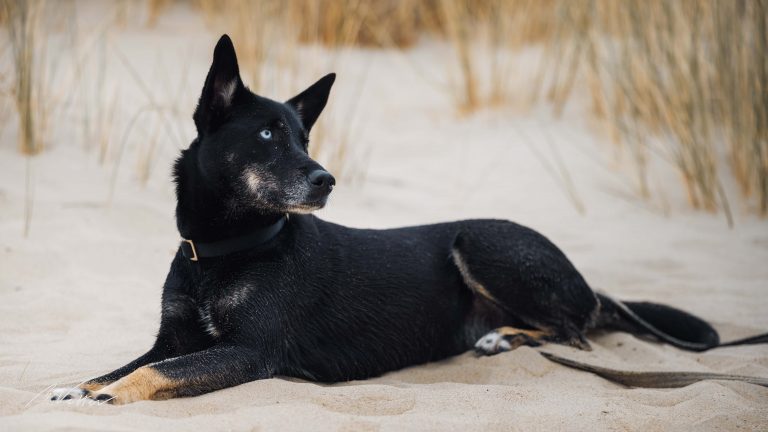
(679, 81)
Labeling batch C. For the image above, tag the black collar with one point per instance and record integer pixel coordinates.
(194, 250)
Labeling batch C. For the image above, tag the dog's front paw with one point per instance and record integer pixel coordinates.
(80, 394)
(68, 393)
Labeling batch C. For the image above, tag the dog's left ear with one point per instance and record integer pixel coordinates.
(310, 103)
(222, 88)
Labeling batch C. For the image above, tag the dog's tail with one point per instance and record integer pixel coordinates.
(668, 324)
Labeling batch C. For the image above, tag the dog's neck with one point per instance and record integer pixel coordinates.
(207, 215)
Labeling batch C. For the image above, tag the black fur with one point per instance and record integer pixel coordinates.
(325, 302)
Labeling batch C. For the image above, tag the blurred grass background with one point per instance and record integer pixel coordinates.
(684, 78)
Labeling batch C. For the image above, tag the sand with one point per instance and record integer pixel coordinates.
(80, 295)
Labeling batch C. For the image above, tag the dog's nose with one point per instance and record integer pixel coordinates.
(322, 179)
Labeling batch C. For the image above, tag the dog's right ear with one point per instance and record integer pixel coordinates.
(221, 90)
(310, 103)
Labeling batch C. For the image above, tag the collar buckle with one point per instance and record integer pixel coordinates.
(192, 247)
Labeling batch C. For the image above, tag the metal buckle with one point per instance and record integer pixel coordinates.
(194, 251)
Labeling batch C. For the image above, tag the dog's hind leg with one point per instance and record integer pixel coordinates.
(522, 273)
(508, 338)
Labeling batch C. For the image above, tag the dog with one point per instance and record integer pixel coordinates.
(260, 287)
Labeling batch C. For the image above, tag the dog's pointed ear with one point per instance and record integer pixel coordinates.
(310, 103)
(222, 88)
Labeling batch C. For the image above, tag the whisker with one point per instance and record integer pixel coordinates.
(47, 389)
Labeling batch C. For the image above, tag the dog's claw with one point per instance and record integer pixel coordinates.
(103, 397)
(68, 393)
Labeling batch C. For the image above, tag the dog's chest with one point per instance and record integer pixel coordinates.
(230, 302)
(204, 315)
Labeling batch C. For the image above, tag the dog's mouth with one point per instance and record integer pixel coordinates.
(309, 205)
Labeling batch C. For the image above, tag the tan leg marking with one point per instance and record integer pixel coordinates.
(509, 338)
(540, 336)
(93, 386)
(145, 383)
(536, 335)
(471, 282)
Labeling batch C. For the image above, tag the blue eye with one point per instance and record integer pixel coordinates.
(266, 134)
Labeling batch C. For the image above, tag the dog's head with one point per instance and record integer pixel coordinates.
(256, 148)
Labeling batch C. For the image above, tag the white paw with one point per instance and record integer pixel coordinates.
(492, 343)
(67, 393)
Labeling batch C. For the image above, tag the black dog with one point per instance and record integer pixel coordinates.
(262, 288)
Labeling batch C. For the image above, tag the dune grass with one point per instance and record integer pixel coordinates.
(689, 73)
(24, 31)
(680, 80)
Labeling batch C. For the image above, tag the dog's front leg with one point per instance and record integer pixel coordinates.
(87, 388)
(98, 383)
(180, 333)
(201, 372)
